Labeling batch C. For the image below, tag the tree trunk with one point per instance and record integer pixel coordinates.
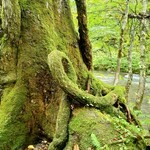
(130, 74)
(142, 80)
(30, 97)
(116, 80)
(38, 94)
(84, 42)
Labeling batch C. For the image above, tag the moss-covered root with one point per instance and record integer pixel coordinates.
(66, 77)
(61, 133)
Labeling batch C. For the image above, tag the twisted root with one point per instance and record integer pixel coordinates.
(63, 72)
(66, 78)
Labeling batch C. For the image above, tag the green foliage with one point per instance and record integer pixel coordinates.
(126, 129)
(128, 133)
(104, 23)
(104, 62)
(23, 4)
(145, 120)
(95, 142)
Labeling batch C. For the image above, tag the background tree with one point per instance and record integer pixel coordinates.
(142, 79)
(104, 29)
(130, 72)
(37, 93)
(120, 51)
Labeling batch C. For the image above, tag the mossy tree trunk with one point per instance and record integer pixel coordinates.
(30, 96)
(35, 100)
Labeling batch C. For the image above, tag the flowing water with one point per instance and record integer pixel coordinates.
(145, 108)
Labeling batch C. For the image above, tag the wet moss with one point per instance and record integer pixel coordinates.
(43, 29)
(61, 133)
(83, 130)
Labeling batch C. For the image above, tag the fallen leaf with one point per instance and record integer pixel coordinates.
(30, 147)
(76, 147)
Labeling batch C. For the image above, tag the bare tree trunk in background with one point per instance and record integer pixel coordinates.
(130, 74)
(121, 43)
(84, 42)
(142, 80)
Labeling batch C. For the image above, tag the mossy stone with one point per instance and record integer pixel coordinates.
(88, 121)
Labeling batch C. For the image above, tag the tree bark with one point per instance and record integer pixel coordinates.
(30, 96)
(37, 94)
(84, 42)
(142, 80)
(130, 74)
(116, 80)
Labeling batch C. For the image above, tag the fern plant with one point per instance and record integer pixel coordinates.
(95, 142)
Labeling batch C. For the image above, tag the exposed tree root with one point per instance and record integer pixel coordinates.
(63, 72)
(61, 133)
(67, 81)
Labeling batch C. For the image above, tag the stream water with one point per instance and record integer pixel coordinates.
(145, 108)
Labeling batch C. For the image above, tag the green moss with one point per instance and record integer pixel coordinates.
(59, 63)
(7, 79)
(91, 121)
(12, 124)
(44, 29)
(11, 18)
(85, 123)
(98, 87)
(66, 81)
(61, 133)
(23, 4)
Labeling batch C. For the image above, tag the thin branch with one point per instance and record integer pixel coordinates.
(139, 16)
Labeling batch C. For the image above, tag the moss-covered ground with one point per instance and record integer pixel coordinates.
(111, 133)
